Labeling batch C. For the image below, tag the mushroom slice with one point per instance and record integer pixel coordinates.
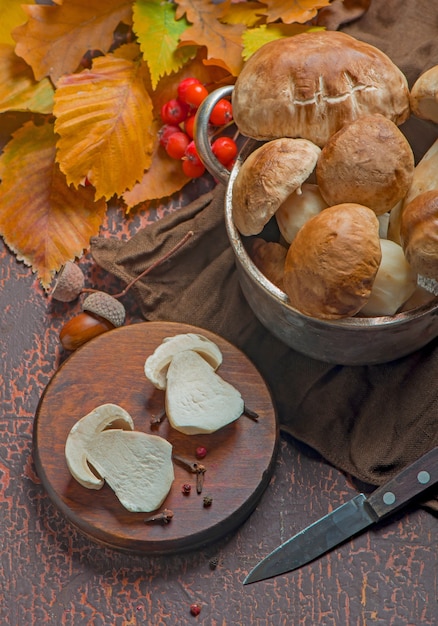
(156, 364)
(83, 432)
(137, 466)
(198, 400)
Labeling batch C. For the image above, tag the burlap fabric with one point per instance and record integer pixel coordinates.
(368, 421)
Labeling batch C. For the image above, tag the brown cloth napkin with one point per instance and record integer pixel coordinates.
(368, 421)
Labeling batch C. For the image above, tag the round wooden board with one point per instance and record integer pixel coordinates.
(240, 458)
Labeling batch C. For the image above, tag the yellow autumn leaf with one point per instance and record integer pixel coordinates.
(223, 41)
(55, 38)
(103, 118)
(42, 220)
(248, 13)
(12, 15)
(162, 179)
(255, 38)
(289, 11)
(19, 91)
(158, 35)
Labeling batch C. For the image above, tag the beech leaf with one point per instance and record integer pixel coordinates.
(255, 38)
(19, 91)
(223, 41)
(42, 220)
(164, 178)
(55, 38)
(289, 11)
(158, 35)
(104, 121)
(12, 15)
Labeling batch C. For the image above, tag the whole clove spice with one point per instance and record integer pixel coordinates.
(164, 517)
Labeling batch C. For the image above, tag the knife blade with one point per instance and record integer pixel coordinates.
(349, 519)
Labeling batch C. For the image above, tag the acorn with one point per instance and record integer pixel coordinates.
(100, 313)
(69, 283)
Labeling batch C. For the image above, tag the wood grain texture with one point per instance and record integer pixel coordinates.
(240, 458)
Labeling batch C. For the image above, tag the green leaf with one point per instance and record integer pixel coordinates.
(158, 34)
(255, 38)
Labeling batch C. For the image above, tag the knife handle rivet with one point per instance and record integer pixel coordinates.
(389, 498)
(423, 477)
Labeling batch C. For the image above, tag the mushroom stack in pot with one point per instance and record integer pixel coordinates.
(327, 163)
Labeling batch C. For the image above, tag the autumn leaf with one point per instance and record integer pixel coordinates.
(19, 91)
(162, 179)
(42, 220)
(289, 11)
(55, 38)
(255, 38)
(12, 15)
(158, 35)
(223, 41)
(248, 13)
(104, 120)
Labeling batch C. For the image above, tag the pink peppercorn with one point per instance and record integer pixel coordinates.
(195, 609)
(186, 489)
(201, 452)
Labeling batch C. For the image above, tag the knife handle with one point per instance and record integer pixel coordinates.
(409, 483)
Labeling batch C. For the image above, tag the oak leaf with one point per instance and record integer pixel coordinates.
(19, 91)
(248, 13)
(12, 15)
(289, 11)
(222, 41)
(42, 220)
(104, 121)
(55, 38)
(158, 35)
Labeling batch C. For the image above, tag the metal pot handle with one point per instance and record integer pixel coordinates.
(201, 137)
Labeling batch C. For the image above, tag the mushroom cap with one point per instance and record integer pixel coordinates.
(419, 233)
(369, 162)
(332, 262)
(311, 84)
(269, 258)
(267, 177)
(156, 365)
(424, 95)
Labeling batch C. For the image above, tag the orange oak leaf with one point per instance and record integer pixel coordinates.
(248, 13)
(19, 91)
(42, 220)
(12, 15)
(162, 179)
(223, 41)
(342, 12)
(104, 121)
(289, 11)
(55, 38)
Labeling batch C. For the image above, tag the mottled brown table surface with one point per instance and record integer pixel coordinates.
(51, 574)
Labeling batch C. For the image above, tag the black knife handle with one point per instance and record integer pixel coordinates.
(409, 483)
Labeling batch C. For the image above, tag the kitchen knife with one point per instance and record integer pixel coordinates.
(349, 519)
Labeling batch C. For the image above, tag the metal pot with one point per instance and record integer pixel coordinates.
(348, 341)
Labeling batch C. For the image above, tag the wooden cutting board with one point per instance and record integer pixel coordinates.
(240, 457)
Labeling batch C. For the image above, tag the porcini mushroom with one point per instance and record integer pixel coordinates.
(198, 400)
(103, 446)
(424, 95)
(311, 84)
(332, 262)
(156, 364)
(267, 177)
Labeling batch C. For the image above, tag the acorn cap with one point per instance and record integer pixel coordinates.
(69, 283)
(104, 305)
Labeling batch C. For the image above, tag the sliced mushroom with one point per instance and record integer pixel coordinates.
(198, 400)
(156, 364)
(83, 432)
(103, 446)
(137, 466)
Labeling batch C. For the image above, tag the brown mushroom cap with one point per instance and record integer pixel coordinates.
(332, 262)
(269, 258)
(311, 84)
(424, 95)
(369, 162)
(267, 177)
(419, 233)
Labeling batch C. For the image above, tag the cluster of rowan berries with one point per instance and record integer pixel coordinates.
(176, 134)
